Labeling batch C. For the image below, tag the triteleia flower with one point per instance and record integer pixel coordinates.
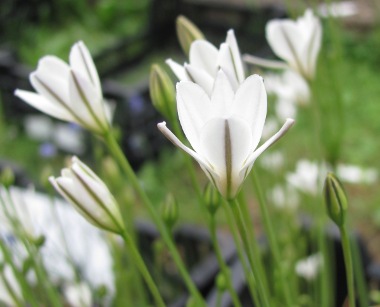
(297, 42)
(205, 61)
(80, 186)
(224, 130)
(69, 92)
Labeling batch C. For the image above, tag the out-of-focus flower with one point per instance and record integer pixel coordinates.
(284, 197)
(205, 61)
(309, 267)
(338, 9)
(78, 294)
(187, 33)
(273, 161)
(308, 177)
(69, 92)
(80, 186)
(224, 130)
(296, 42)
(356, 174)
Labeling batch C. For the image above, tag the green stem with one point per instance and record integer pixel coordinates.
(222, 263)
(124, 163)
(143, 269)
(284, 286)
(239, 220)
(249, 277)
(348, 263)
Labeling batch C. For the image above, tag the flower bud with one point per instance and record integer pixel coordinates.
(7, 177)
(187, 32)
(212, 198)
(335, 198)
(169, 211)
(80, 186)
(162, 92)
(221, 282)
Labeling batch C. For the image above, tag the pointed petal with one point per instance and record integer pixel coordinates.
(53, 65)
(226, 63)
(200, 77)
(264, 62)
(250, 104)
(226, 144)
(222, 96)
(252, 158)
(238, 63)
(204, 55)
(194, 110)
(178, 70)
(286, 41)
(41, 103)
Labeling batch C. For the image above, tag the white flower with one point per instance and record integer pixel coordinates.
(80, 186)
(356, 174)
(69, 92)
(224, 130)
(309, 267)
(338, 9)
(78, 294)
(9, 288)
(284, 197)
(297, 42)
(205, 61)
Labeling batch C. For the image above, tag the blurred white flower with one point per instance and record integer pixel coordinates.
(78, 294)
(284, 197)
(338, 9)
(10, 291)
(309, 267)
(356, 174)
(205, 61)
(308, 177)
(224, 130)
(272, 161)
(69, 92)
(80, 186)
(296, 42)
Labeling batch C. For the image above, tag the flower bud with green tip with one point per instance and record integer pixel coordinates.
(335, 198)
(80, 186)
(7, 177)
(162, 92)
(187, 32)
(221, 282)
(169, 211)
(212, 198)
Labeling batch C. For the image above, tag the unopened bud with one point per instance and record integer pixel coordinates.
(221, 282)
(212, 198)
(7, 177)
(169, 211)
(187, 32)
(162, 92)
(335, 198)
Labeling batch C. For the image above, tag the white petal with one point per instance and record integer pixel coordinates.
(226, 144)
(264, 62)
(52, 65)
(226, 63)
(81, 60)
(238, 63)
(314, 47)
(178, 70)
(200, 77)
(204, 55)
(194, 110)
(250, 104)
(222, 96)
(251, 159)
(286, 41)
(44, 105)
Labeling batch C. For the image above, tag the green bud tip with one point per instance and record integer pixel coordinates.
(335, 199)
(7, 177)
(169, 211)
(221, 282)
(212, 198)
(187, 33)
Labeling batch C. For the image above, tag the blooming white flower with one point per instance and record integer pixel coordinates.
(78, 294)
(80, 186)
(284, 197)
(297, 42)
(309, 267)
(69, 92)
(224, 130)
(355, 174)
(205, 61)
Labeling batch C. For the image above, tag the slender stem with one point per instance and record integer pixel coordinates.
(239, 220)
(249, 277)
(348, 263)
(124, 163)
(284, 286)
(222, 263)
(143, 269)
